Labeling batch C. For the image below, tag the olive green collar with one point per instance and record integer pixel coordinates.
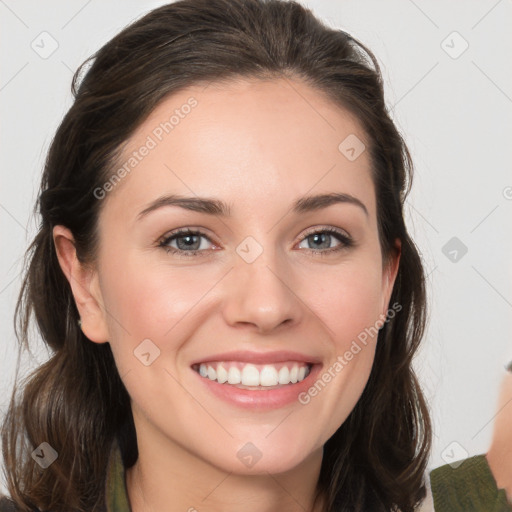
(116, 495)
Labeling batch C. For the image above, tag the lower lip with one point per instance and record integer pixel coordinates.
(264, 398)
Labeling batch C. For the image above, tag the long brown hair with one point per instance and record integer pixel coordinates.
(76, 401)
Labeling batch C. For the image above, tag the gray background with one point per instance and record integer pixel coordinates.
(454, 108)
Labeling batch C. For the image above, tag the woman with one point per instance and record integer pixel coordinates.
(224, 276)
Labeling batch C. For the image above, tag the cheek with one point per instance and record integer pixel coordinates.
(153, 302)
(348, 299)
(154, 310)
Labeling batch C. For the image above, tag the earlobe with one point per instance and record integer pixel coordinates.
(84, 286)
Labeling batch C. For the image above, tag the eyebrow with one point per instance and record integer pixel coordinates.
(221, 209)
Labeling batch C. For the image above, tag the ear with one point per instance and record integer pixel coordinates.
(389, 273)
(84, 286)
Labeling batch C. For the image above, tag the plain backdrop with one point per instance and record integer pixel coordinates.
(447, 75)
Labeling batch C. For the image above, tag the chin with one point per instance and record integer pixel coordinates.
(262, 457)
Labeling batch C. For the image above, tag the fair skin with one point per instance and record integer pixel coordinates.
(258, 146)
(499, 455)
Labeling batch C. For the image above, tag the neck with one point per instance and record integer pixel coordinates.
(167, 475)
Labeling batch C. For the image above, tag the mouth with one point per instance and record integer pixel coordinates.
(257, 381)
(251, 376)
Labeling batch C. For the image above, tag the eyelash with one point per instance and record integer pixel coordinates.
(346, 242)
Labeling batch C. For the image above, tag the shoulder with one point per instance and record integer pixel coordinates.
(466, 485)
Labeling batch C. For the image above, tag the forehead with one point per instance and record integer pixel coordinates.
(245, 140)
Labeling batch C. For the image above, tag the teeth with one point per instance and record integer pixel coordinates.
(251, 375)
(234, 376)
(269, 376)
(212, 373)
(222, 374)
(284, 375)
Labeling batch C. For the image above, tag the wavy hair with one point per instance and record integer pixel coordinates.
(76, 400)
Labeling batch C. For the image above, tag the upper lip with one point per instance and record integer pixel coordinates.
(279, 356)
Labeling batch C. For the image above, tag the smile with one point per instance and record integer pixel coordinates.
(254, 376)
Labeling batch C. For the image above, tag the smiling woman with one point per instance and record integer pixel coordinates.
(229, 291)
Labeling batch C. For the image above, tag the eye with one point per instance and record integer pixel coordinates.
(321, 240)
(187, 242)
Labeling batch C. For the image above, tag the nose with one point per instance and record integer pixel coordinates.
(261, 295)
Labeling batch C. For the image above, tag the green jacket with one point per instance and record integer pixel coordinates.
(468, 488)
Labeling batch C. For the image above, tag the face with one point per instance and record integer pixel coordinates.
(270, 281)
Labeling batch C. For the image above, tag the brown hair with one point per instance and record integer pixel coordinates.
(76, 401)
